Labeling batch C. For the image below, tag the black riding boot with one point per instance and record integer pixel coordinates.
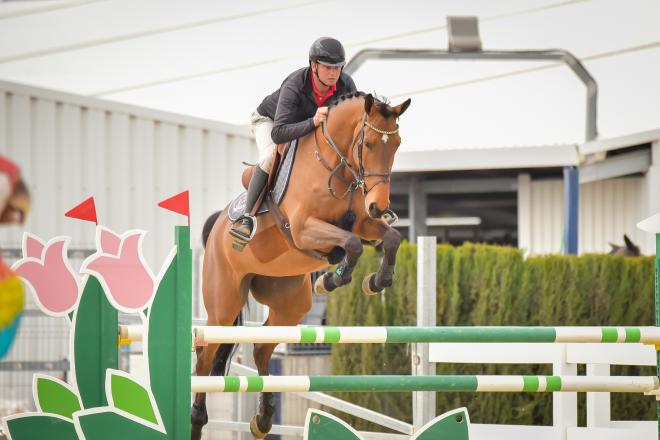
(243, 229)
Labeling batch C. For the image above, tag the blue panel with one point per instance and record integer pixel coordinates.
(571, 207)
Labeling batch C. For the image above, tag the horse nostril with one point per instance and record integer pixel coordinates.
(374, 212)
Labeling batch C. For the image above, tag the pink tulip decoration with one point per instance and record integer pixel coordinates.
(120, 267)
(45, 268)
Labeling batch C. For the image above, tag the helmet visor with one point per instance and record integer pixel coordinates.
(331, 64)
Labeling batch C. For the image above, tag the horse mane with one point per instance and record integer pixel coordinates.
(385, 110)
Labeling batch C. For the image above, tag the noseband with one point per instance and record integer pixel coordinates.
(359, 175)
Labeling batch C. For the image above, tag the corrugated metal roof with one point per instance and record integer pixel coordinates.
(216, 60)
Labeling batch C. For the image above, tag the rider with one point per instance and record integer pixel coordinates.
(295, 109)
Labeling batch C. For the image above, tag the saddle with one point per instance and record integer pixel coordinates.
(276, 187)
(272, 195)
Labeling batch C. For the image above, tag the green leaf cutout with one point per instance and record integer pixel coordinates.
(41, 426)
(108, 425)
(56, 398)
(323, 426)
(95, 343)
(131, 397)
(452, 425)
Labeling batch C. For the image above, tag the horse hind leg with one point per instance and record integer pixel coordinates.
(288, 304)
(198, 414)
(211, 359)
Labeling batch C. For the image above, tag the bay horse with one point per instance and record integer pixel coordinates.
(340, 178)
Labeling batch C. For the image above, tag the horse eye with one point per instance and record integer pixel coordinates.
(369, 145)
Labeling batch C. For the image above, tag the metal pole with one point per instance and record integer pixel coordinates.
(564, 56)
(571, 209)
(571, 185)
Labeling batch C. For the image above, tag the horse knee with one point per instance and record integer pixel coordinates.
(353, 247)
(392, 239)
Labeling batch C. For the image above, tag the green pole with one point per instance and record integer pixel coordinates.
(183, 323)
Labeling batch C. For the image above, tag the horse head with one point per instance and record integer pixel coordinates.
(367, 136)
(380, 140)
(630, 249)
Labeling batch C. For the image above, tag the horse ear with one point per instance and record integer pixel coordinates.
(630, 245)
(368, 102)
(399, 109)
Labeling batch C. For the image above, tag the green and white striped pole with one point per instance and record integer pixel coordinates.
(652, 225)
(450, 383)
(392, 335)
(389, 335)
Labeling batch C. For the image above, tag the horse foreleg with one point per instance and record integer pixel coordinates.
(391, 238)
(317, 234)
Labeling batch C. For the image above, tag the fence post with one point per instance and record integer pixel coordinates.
(424, 401)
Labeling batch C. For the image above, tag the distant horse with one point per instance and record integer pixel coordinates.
(630, 249)
(339, 189)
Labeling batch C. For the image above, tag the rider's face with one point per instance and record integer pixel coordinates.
(329, 75)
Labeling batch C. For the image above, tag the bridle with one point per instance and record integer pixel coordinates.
(359, 175)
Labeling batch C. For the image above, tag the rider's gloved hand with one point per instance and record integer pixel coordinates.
(320, 116)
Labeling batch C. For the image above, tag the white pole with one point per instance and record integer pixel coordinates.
(424, 402)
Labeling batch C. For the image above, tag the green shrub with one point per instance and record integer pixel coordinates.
(491, 285)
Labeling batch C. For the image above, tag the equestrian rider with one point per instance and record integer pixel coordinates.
(292, 111)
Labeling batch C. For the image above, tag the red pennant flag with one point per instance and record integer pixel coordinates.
(84, 211)
(179, 203)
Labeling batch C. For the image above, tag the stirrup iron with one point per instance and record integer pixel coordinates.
(390, 217)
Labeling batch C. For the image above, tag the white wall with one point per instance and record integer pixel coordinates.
(129, 158)
(608, 209)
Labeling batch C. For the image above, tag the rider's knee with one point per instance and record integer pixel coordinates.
(267, 159)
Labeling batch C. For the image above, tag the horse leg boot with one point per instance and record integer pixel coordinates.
(390, 240)
(243, 230)
(343, 274)
(375, 283)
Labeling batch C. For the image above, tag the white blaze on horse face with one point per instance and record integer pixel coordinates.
(385, 138)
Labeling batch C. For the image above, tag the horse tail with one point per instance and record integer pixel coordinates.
(223, 356)
(208, 225)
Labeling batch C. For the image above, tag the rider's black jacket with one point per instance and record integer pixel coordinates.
(293, 105)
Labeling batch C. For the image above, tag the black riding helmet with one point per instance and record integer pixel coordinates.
(327, 51)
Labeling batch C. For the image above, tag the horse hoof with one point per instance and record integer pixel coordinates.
(368, 285)
(319, 287)
(254, 428)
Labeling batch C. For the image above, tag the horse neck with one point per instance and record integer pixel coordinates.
(342, 122)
